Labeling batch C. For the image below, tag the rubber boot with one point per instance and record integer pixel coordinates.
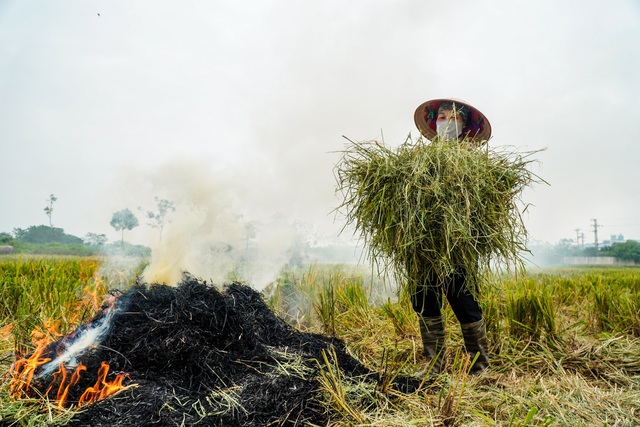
(475, 341)
(432, 333)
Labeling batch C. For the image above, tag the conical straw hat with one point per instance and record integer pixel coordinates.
(477, 128)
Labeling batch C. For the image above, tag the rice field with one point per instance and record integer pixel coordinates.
(564, 343)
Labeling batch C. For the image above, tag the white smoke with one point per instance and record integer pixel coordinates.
(76, 346)
(223, 227)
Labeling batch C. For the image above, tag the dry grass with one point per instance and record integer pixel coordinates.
(433, 207)
(568, 371)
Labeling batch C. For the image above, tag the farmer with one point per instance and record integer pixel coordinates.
(449, 119)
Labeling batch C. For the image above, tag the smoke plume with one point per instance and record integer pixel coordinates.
(222, 228)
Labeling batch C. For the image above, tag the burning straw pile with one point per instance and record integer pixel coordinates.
(440, 205)
(194, 355)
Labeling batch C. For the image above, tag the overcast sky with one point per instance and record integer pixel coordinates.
(243, 104)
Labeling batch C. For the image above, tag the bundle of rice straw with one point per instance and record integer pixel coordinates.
(435, 207)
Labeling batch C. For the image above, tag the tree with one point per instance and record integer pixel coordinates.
(41, 234)
(159, 218)
(124, 220)
(6, 239)
(93, 239)
(49, 210)
(628, 251)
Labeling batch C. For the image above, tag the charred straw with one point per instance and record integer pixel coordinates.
(204, 356)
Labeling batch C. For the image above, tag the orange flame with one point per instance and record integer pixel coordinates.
(102, 388)
(64, 386)
(23, 370)
(95, 291)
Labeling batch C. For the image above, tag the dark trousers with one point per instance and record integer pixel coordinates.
(427, 301)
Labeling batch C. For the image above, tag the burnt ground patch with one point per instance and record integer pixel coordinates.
(199, 355)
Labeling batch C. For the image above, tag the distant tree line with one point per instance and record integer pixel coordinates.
(627, 251)
(42, 239)
(49, 239)
(553, 254)
(45, 234)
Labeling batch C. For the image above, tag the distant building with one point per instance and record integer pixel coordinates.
(614, 239)
(595, 260)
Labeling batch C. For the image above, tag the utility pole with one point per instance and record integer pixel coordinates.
(595, 232)
(577, 230)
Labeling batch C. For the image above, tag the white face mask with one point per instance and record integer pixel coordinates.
(449, 130)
